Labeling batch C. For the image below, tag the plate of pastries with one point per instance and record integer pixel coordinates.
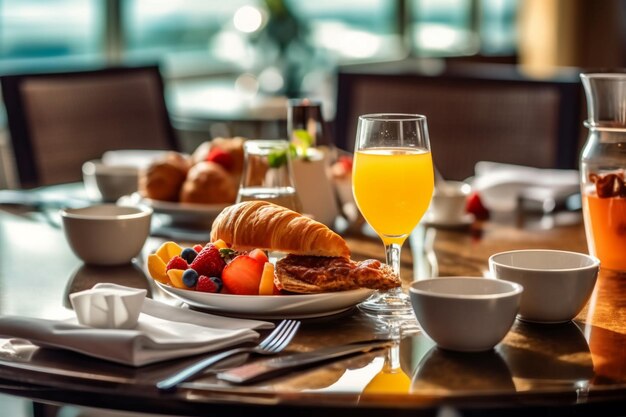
(193, 188)
(232, 274)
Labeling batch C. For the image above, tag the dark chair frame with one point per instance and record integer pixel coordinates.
(19, 130)
(566, 84)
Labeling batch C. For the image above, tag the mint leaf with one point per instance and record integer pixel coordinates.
(277, 159)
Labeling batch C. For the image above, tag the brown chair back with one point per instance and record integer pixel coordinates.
(474, 113)
(58, 121)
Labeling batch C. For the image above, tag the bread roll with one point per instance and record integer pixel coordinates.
(163, 179)
(208, 183)
(259, 224)
(232, 146)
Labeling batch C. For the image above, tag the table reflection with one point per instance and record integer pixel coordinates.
(441, 372)
(547, 355)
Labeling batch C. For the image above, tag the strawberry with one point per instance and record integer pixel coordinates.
(243, 276)
(209, 262)
(476, 207)
(176, 263)
(222, 158)
(346, 162)
(197, 248)
(209, 284)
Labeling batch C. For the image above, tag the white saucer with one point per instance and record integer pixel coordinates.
(464, 221)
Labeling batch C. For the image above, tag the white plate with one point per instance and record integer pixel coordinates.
(179, 213)
(271, 306)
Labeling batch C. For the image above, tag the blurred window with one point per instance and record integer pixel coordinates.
(194, 37)
(463, 27)
(442, 27)
(352, 29)
(498, 27)
(47, 29)
(185, 35)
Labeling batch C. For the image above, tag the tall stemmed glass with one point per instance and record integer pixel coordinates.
(393, 182)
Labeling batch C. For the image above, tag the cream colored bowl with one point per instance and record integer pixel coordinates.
(465, 314)
(557, 284)
(106, 234)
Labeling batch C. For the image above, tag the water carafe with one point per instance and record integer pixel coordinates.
(602, 168)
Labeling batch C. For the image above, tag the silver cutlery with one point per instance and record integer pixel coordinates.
(273, 367)
(274, 343)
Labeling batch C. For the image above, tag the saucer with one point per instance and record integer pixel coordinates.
(464, 221)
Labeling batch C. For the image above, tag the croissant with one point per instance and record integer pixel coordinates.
(259, 224)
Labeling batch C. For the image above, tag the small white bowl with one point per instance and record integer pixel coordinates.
(463, 313)
(557, 284)
(109, 182)
(106, 234)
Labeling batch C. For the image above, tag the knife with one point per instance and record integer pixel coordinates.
(267, 368)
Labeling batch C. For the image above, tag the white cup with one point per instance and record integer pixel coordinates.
(109, 182)
(106, 234)
(448, 203)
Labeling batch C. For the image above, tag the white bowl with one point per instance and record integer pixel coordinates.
(106, 234)
(109, 182)
(465, 314)
(557, 284)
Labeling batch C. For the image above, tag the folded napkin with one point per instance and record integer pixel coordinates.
(139, 158)
(162, 332)
(501, 185)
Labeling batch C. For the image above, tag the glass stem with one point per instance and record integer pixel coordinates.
(392, 255)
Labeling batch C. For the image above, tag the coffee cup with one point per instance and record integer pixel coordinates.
(448, 203)
(104, 182)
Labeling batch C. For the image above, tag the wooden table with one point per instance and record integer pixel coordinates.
(577, 368)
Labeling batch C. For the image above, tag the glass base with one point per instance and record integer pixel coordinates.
(389, 303)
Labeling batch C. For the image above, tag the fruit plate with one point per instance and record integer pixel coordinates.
(178, 213)
(271, 306)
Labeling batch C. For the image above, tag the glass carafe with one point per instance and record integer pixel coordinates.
(602, 168)
(267, 174)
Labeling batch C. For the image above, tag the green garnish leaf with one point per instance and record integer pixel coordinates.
(226, 252)
(277, 159)
(302, 140)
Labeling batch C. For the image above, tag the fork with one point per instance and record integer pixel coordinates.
(274, 343)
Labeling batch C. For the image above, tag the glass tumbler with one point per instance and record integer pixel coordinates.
(268, 174)
(602, 168)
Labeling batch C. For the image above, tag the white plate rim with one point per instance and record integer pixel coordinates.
(288, 306)
(179, 212)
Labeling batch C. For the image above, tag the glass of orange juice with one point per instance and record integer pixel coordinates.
(392, 182)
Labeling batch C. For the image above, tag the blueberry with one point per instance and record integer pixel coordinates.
(217, 282)
(188, 254)
(190, 278)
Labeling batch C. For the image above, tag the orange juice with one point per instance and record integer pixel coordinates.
(393, 187)
(605, 219)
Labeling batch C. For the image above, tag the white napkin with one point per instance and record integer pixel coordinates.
(162, 332)
(139, 158)
(500, 185)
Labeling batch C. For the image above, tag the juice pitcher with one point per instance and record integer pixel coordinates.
(602, 168)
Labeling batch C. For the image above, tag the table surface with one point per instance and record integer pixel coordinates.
(573, 368)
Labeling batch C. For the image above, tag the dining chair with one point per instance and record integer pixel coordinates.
(475, 112)
(57, 121)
